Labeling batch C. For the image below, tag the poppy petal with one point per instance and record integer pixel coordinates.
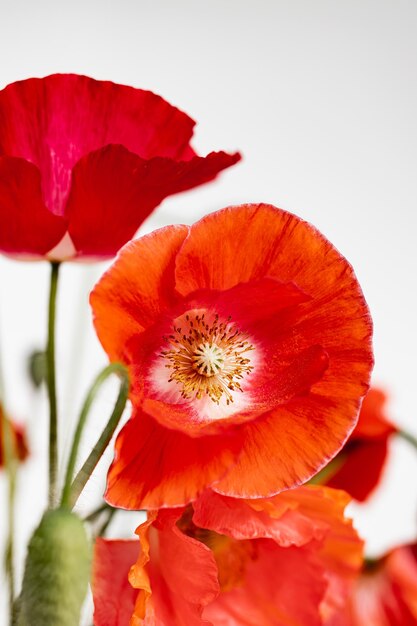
(360, 468)
(156, 467)
(372, 421)
(137, 289)
(182, 575)
(292, 518)
(114, 190)
(114, 597)
(292, 441)
(27, 227)
(274, 583)
(53, 121)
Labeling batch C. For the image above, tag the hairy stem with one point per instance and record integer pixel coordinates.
(53, 413)
(408, 437)
(72, 490)
(10, 464)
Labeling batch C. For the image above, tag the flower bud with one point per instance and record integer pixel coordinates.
(57, 572)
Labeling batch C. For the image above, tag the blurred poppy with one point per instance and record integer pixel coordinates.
(358, 466)
(18, 437)
(248, 341)
(287, 560)
(386, 591)
(84, 162)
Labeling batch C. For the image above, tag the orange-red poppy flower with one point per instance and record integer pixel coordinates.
(358, 466)
(248, 341)
(291, 559)
(18, 437)
(386, 592)
(84, 162)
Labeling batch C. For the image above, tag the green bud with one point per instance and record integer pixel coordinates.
(57, 572)
(37, 367)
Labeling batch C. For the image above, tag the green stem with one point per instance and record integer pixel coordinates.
(410, 438)
(91, 517)
(53, 413)
(103, 528)
(72, 491)
(10, 464)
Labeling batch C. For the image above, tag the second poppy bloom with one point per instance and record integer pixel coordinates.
(248, 342)
(84, 162)
(287, 560)
(358, 467)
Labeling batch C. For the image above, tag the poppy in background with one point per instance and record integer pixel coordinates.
(386, 592)
(21, 450)
(358, 467)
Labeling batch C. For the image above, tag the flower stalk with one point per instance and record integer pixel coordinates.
(10, 463)
(408, 437)
(72, 489)
(51, 383)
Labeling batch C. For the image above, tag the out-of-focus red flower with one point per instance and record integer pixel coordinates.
(287, 560)
(84, 162)
(248, 341)
(386, 592)
(18, 436)
(358, 467)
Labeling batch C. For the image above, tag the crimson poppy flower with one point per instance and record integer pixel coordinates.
(386, 592)
(287, 560)
(358, 467)
(248, 342)
(18, 437)
(84, 162)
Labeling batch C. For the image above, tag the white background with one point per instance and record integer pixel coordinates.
(320, 96)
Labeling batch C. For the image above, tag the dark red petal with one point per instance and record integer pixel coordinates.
(156, 467)
(372, 421)
(362, 462)
(26, 225)
(114, 190)
(54, 121)
(114, 597)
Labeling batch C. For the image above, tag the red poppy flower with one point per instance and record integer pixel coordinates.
(248, 341)
(19, 439)
(358, 467)
(84, 162)
(287, 560)
(386, 592)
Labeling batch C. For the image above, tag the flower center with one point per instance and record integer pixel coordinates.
(208, 357)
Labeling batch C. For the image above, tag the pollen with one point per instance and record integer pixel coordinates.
(207, 357)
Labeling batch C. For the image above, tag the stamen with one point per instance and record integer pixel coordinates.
(207, 359)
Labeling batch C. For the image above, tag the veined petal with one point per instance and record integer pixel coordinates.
(53, 121)
(114, 190)
(182, 574)
(114, 597)
(136, 290)
(292, 441)
(27, 227)
(294, 517)
(156, 467)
